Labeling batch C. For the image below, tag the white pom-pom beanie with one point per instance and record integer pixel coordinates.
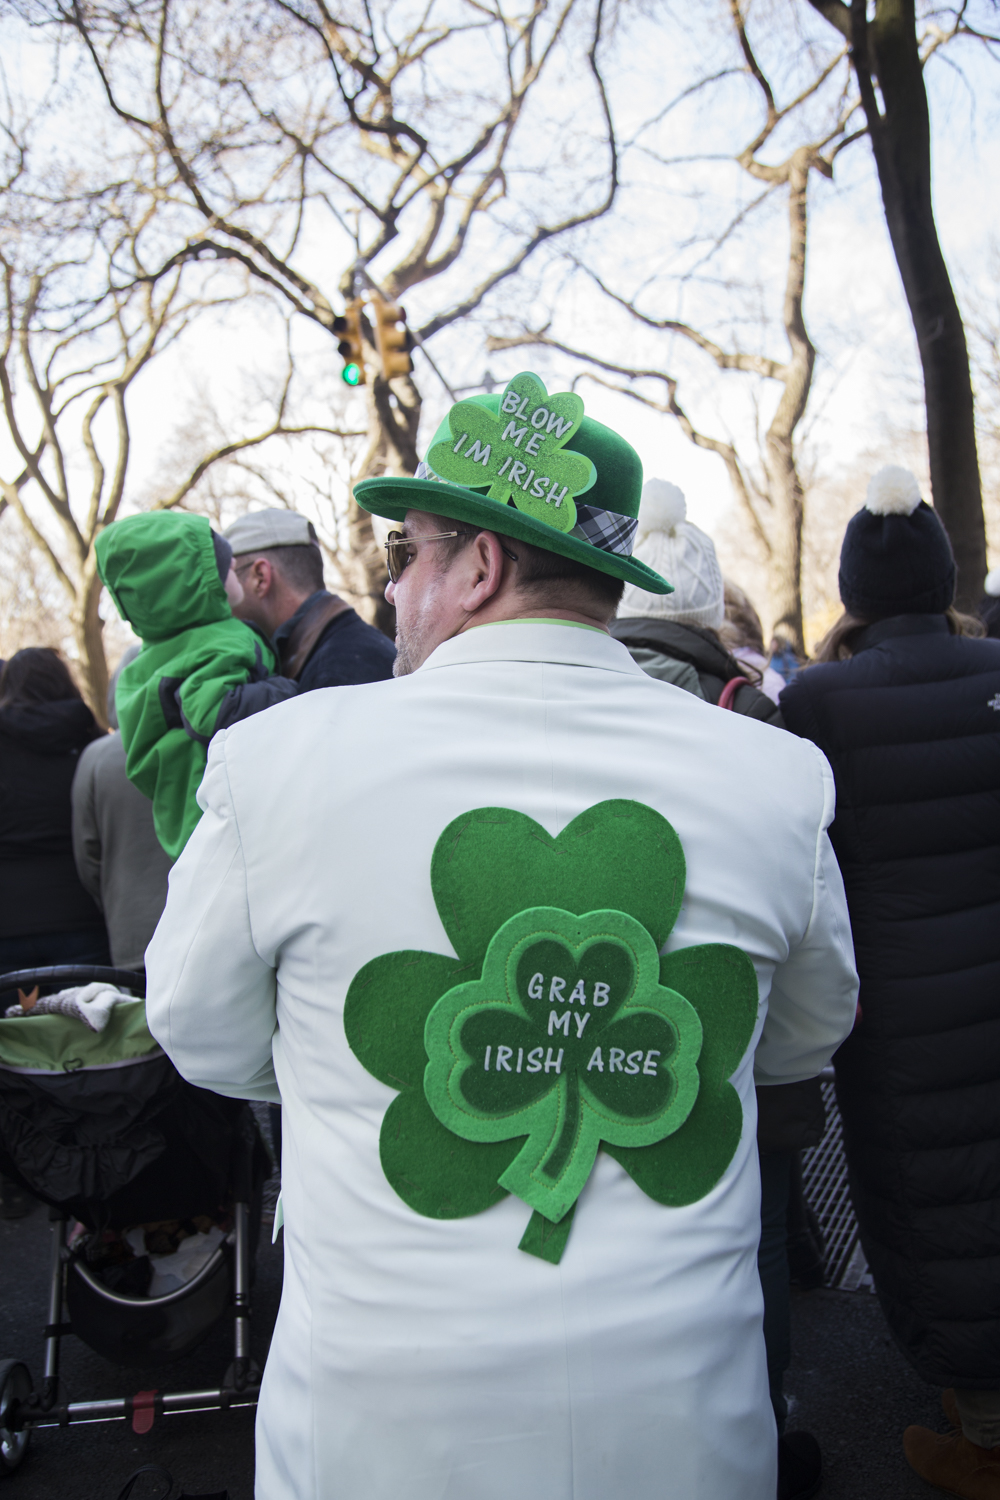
(896, 558)
(892, 491)
(683, 554)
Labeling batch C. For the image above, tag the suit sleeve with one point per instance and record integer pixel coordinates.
(814, 993)
(210, 999)
(86, 831)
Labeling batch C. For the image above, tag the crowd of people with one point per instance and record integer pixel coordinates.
(796, 818)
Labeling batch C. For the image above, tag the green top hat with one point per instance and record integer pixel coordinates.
(502, 463)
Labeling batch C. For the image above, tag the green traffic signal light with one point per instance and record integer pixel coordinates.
(351, 346)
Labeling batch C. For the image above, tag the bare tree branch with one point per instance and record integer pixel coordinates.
(837, 13)
(240, 445)
(548, 232)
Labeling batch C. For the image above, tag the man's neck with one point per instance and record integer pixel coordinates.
(285, 609)
(496, 612)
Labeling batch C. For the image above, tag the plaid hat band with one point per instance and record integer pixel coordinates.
(424, 471)
(605, 529)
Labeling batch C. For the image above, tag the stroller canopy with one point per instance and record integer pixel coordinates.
(62, 1044)
(101, 1125)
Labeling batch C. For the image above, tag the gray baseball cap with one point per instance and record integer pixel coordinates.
(260, 530)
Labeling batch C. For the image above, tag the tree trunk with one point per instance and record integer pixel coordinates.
(785, 484)
(89, 631)
(901, 142)
(393, 419)
(786, 543)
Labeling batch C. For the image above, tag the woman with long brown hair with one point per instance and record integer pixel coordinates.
(905, 704)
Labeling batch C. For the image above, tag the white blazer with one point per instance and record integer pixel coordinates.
(430, 1358)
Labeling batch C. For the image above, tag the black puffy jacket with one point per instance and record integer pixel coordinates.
(911, 726)
(40, 746)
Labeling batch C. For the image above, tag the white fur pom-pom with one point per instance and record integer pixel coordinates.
(892, 492)
(992, 584)
(662, 507)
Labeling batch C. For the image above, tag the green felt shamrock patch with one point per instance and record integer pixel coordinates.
(568, 1038)
(587, 911)
(520, 451)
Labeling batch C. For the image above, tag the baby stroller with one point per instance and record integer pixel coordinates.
(101, 1127)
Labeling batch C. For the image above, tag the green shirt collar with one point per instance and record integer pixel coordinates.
(539, 620)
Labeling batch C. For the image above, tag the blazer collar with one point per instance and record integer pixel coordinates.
(533, 640)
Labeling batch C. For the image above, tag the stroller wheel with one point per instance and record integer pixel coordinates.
(15, 1386)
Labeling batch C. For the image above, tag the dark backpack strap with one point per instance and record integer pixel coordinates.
(299, 646)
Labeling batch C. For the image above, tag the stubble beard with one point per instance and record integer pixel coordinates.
(402, 666)
(419, 633)
(410, 647)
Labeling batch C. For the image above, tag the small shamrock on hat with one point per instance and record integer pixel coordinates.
(519, 451)
(593, 1039)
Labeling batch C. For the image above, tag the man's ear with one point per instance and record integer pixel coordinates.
(485, 568)
(262, 574)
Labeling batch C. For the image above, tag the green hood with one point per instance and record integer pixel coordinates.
(160, 570)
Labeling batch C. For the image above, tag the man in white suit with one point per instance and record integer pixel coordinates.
(505, 936)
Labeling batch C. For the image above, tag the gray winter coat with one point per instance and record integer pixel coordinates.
(118, 856)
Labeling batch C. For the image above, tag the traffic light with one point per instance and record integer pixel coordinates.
(392, 339)
(351, 347)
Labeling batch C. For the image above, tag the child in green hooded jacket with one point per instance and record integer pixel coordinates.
(172, 577)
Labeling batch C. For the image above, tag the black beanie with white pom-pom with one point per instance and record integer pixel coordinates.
(896, 558)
